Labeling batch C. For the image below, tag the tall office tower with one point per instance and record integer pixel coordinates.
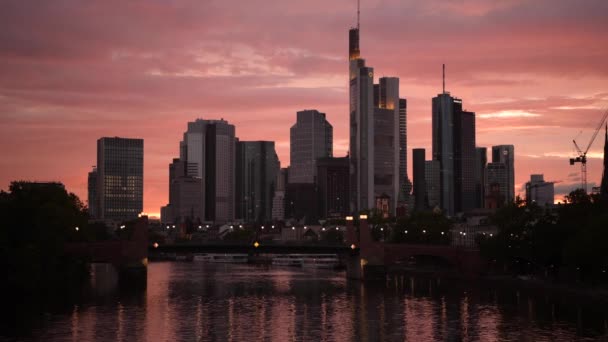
(454, 148)
(209, 150)
(120, 178)
(311, 138)
(496, 185)
(361, 144)
(540, 192)
(92, 194)
(257, 167)
(387, 143)
(403, 178)
(278, 201)
(432, 179)
(332, 187)
(505, 154)
(185, 195)
(604, 184)
(481, 159)
(418, 156)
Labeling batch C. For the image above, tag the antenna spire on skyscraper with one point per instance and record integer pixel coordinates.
(443, 78)
(358, 12)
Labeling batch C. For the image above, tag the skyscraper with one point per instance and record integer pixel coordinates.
(496, 185)
(505, 154)
(420, 197)
(311, 138)
(454, 148)
(208, 149)
(540, 192)
(278, 201)
(481, 159)
(185, 195)
(378, 136)
(120, 178)
(361, 145)
(604, 184)
(257, 166)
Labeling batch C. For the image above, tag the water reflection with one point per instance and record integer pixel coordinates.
(205, 302)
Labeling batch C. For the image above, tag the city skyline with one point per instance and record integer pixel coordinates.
(64, 91)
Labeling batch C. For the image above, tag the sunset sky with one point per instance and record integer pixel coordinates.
(535, 72)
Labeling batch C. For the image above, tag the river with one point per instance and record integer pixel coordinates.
(222, 302)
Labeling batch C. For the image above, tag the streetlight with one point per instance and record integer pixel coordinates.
(337, 228)
(262, 227)
(155, 245)
(293, 228)
(256, 244)
(424, 231)
(77, 229)
(442, 233)
(405, 231)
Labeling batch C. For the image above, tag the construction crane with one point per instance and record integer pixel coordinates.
(582, 156)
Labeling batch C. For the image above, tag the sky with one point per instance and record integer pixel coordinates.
(72, 71)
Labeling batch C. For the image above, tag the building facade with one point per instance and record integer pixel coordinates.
(209, 148)
(540, 192)
(333, 187)
(311, 138)
(420, 195)
(257, 167)
(278, 201)
(481, 160)
(496, 184)
(505, 154)
(454, 148)
(93, 196)
(120, 178)
(432, 178)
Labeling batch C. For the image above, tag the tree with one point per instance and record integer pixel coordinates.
(36, 220)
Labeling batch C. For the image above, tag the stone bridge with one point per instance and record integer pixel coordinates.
(375, 257)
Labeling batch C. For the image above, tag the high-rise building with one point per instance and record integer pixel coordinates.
(92, 194)
(387, 143)
(257, 166)
(378, 137)
(120, 178)
(420, 196)
(454, 148)
(604, 184)
(496, 185)
(404, 182)
(432, 179)
(361, 145)
(185, 195)
(208, 148)
(505, 154)
(311, 138)
(333, 187)
(481, 159)
(540, 192)
(278, 201)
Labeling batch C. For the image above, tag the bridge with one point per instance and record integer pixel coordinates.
(375, 257)
(129, 257)
(363, 256)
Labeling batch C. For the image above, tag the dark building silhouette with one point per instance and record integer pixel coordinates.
(209, 148)
(185, 195)
(481, 160)
(300, 202)
(420, 198)
(604, 184)
(454, 148)
(505, 154)
(333, 187)
(92, 194)
(120, 178)
(257, 166)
